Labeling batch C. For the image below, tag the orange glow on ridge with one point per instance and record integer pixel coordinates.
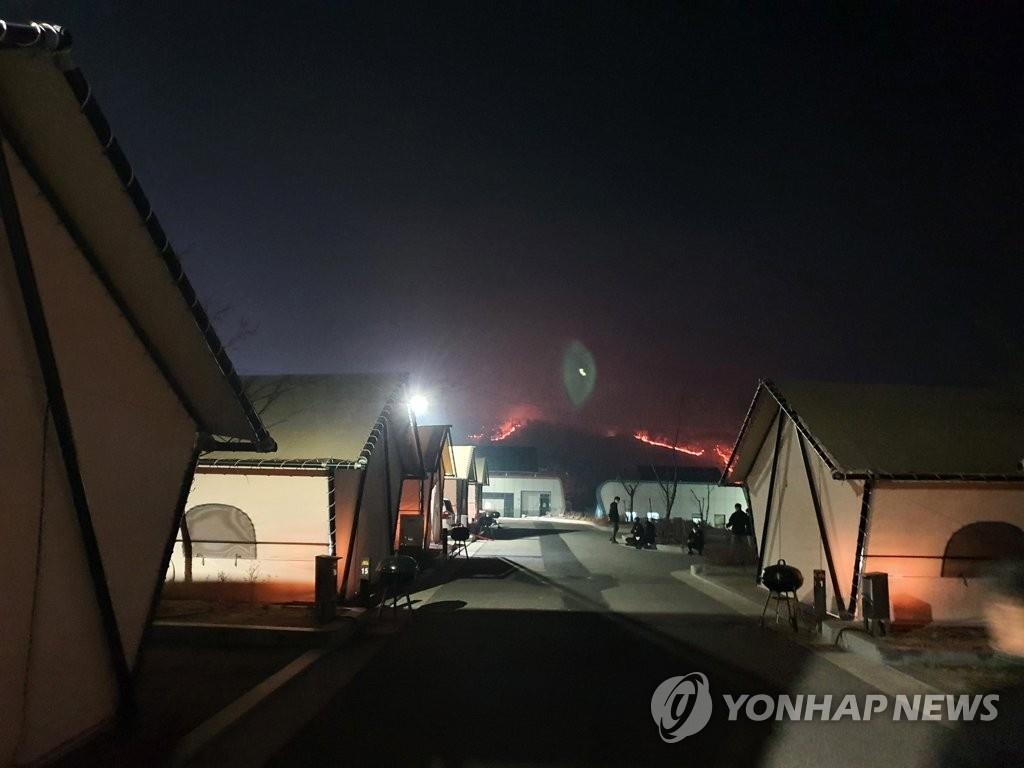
(723, 453)
(645, 437)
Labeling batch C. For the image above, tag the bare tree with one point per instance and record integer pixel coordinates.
(670, 485)
(630, 487)
(703, 504)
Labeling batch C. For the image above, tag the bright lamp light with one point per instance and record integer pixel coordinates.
(419, 404)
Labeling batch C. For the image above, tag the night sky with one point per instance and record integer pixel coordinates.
(700, 195)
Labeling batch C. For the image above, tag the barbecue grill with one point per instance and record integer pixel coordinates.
(782, 581)
(396, 576)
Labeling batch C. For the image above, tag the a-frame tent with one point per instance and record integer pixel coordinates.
(111, 381)
(919, 483)
(347, 443)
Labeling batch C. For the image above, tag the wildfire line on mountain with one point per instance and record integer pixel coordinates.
(645, 437)
(499, 433)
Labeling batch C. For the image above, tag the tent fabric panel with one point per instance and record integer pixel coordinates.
(133, 436)
(410, 503)
(374, 528)
(43, 117)
(755, 433)
(758, 480)
(840, 508)
(35, 655)
(402, 428)
(435, 445)
(395, 436)
(62, 661)
(911, 429)
(793, 533)
(24, 402)
(288, 514)
(347, 486)
(319, 416)
(910, 528)
(465, 467)
(481, 470)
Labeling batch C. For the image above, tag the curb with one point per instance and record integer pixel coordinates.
(252, 635)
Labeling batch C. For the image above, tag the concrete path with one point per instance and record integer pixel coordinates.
(545, 648)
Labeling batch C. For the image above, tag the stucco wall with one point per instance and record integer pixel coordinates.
(649, 496)
(517, 484)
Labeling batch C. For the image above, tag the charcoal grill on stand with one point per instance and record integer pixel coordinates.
(782, 581)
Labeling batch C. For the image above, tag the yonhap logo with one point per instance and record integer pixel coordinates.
(681, 706)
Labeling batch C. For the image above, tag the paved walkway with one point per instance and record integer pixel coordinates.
(545, 648)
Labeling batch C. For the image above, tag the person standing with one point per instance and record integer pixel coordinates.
(613, 518)
(738, 522)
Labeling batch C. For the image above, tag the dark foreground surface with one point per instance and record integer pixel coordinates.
(545, 649)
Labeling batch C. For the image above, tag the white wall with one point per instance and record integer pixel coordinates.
(918, 519)
(649, 496)
(517, 484)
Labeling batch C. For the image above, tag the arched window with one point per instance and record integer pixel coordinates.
(221, 531)
(971, 551)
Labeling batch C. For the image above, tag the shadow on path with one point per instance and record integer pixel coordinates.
(520, 688)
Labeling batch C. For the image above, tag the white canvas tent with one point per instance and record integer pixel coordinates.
(346, 444)
(921, 483)
(110, 381)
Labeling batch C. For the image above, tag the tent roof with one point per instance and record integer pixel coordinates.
(891, 432)
(465, 466)
(320, 420)
(481, 470)
(436, 444)
(53, 126)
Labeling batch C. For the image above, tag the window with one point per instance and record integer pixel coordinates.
(971, 550)
(221, 531)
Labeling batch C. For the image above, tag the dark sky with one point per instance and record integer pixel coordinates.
(700, 194)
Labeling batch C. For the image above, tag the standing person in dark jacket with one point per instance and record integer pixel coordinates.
(738, 521)
(613, 518)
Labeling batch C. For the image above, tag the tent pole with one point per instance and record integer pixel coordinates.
(821, 524)
(771, 493)
(862, 535)
(65, 433)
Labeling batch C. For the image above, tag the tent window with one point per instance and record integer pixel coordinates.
(221, 531)
(971, 550)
